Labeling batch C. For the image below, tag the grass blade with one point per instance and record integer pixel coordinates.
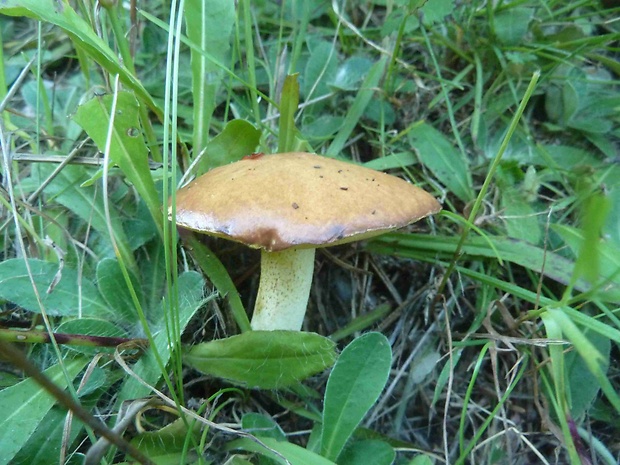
(504, 249)
(289, 101)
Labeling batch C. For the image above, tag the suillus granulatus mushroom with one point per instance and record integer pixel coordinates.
(289, 204)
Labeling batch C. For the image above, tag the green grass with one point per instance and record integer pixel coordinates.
(502, 312)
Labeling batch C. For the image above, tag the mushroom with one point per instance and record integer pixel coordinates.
(289, 204)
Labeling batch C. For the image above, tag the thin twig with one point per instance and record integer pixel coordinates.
(65, 159)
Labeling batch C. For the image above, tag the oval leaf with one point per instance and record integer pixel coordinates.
(353, 387)
(368, 451)
(263, 359)
(238, 139)
(294, 454)
(59, 291)
(447, 163)
(114, 290)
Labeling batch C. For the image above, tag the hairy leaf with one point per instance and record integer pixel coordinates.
(263, 359)
(25, 404)
(353, 387)
(62, 292)
(445, 161)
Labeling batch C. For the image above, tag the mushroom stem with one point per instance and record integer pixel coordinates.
(284, 289)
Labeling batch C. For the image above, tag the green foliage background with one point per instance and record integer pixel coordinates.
(500, 314)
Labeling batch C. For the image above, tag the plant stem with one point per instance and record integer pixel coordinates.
(43, 337)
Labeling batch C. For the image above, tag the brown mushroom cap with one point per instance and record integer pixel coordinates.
(284, 200)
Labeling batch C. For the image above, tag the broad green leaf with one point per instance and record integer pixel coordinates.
(44, 445)
(554, 104)
(521, 220)
(570, 101)
(127, 147)
(87, 203)
(96, 384)
(72, 295)
(63, 101)
(209, 25)
(434, 11)
(445, 162)
(558, 325)
(153, 276)
(565, 157)
(350, 75)
(114, 291)
(262, 426)
(444, 376)
(289, 101)
(190, 285)
(263, 359)
(422, 460)
(394, 160)
(319, 70)
(302, 12)
(295, 454)
(380, 111)
(511, 24)
(141, 228)
(353, 387)
(596, 362)
(61, 14)
(368, 451)
(582, 384)
(424, 365)
(321, 128)
(238, 460)
(166, 445)
(25, 404)
(238, 139)
(612, 226)
(397, 19)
